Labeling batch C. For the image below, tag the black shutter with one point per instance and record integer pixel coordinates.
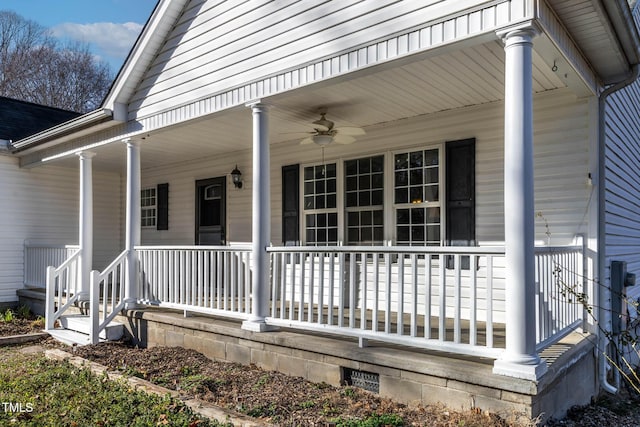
(291, 205)
(162, 200)
(461, 196)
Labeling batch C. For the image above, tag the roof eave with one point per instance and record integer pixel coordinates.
(625, 28)
(142, 54)
(83, 122)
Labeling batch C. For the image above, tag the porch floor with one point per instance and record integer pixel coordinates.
(405, 374)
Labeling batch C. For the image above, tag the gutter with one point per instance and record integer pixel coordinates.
(620, 14)
(63, 129)
(604, 299)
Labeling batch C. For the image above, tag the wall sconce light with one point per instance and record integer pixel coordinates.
(236, 177)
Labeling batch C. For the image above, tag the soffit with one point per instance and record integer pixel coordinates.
(588, 24)
(456, 79)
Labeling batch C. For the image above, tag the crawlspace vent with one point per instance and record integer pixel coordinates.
(361, 379)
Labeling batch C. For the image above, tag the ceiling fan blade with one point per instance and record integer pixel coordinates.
(320, 127)
(306, 141)
(344, 139)
(351, 131)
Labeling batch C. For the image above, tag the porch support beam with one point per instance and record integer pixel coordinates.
(132, 232)
(520, 358)
(261, 220)
(85, 231)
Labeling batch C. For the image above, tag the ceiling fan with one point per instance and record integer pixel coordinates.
(324, 132)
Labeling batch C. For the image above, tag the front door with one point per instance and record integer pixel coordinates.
(211, 211)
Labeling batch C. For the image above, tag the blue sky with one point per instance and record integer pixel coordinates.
(110, 27)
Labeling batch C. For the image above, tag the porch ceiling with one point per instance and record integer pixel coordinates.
(468, 76)
(587, 22)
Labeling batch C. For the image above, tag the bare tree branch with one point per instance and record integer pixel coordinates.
(35, 67)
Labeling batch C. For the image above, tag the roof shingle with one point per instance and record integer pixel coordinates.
(20, 119)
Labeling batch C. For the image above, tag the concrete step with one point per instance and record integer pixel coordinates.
(82, 324)
(69, 337)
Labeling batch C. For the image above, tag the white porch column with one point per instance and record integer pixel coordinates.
(85, 231)
(132, 232)
(261, 220)
(520, 358)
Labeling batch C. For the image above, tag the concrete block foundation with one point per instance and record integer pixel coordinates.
(404, 374)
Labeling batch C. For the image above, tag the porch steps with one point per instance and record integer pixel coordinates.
(75, 330)
(69, 337)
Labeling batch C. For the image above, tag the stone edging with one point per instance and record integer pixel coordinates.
(203, 408)
(20, 339)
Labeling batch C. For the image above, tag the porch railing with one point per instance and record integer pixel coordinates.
(62, 288)
(106, 287)
(206, 279)
(38, 256)
(560, 291)
(445, 298)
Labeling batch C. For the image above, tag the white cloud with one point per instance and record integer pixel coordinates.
(109, 39)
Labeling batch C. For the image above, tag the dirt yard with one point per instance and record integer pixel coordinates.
(283, 400)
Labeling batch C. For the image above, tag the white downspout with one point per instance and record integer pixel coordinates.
(604, 299)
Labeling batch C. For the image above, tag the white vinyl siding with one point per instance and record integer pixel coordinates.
(41, 205)
(216, 46)
(622, 182)
(622, 178)
(562, 132)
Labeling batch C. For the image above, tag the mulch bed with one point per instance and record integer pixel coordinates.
(274, 397)
(19, 326)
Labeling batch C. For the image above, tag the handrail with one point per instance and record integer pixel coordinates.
(113, 264)
(114, 275)
(552, 249)
(53, 274)
(436, 250)
(235, 247)
(68, 262)
(28, 244)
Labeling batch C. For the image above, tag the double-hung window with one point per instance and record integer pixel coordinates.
(350, 204)
(320, 198)
(417, 197)
(148, 207)
(364, 200)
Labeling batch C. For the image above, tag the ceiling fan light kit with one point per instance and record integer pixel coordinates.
(322, 140)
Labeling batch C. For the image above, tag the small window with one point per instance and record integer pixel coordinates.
(213, 192)
(148, 206)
